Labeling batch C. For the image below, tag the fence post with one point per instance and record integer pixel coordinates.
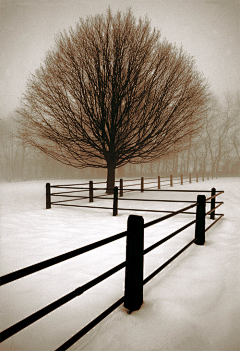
(212, 214)
(197, 177)
(190, 178)
(171, 182)
(90, 191)
(207, 176)
(133, 298)
(200, 217)
(181, 179)
(121, 187)
(203, 177)
(48, 195)
(142, 184)
(115, 201)
(159, 182)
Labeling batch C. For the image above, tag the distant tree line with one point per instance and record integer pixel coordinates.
(216, 150)
(19, 161)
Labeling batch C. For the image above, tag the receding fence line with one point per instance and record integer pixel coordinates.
(115, 207)
(56, 304)
(8, 278)
(143, 183)
(134, 282)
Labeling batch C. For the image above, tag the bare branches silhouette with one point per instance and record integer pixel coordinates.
(109, 93)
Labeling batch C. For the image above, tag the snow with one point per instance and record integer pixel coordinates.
(193, 304)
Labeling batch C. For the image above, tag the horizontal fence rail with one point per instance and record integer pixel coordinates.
(134, 281)
(117, 194)
(58, 259)
(158, 270)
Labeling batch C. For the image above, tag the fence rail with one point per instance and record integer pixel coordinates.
(115, 197)
(141, 182)
(134, 282)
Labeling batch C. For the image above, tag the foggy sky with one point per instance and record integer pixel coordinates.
(208, 30)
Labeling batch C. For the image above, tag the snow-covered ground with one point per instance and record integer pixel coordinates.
(193, 304)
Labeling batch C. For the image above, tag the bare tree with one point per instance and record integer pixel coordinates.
(235, 130)
(109, 93)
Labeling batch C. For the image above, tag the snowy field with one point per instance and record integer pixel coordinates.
(193, 304)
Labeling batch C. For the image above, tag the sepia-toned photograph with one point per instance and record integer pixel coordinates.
(120, 175)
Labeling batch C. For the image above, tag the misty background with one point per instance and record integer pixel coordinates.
(208, 30)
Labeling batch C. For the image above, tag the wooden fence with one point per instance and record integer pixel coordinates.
(134, 282)
(72, 192)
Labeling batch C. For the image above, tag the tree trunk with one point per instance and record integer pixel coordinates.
(110, 178)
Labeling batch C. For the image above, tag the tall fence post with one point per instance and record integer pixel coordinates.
(200, 217)
(212, 214)
(48, 195)
(121, 187)
(133, 298)
(171, 181)
(181, 179)
(159, 182)
(190, 178)
(142, 184)
(90, 191)
(115, 201)
(197, 177)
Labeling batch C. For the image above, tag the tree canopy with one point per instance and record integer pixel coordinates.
(111, 92)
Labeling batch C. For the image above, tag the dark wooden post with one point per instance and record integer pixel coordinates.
(197, 177)
(203, 177)
(48, 195)
(171, 181)
(121, 187)
(190, 178)
(142, 184)
(200, 217)
(159, 182)
(181, 179)
(115, 201)
(212, 214)
(134, 269)
(90, 191)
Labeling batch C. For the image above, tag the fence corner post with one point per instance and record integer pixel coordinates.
(48, 195)
(90, 191)
(212, 214)
(115, 201)
(200, 218)
(133, 298)
(159, 182)
(121, 187)
(142, 184)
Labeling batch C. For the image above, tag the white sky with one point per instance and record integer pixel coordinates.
(208, 30)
